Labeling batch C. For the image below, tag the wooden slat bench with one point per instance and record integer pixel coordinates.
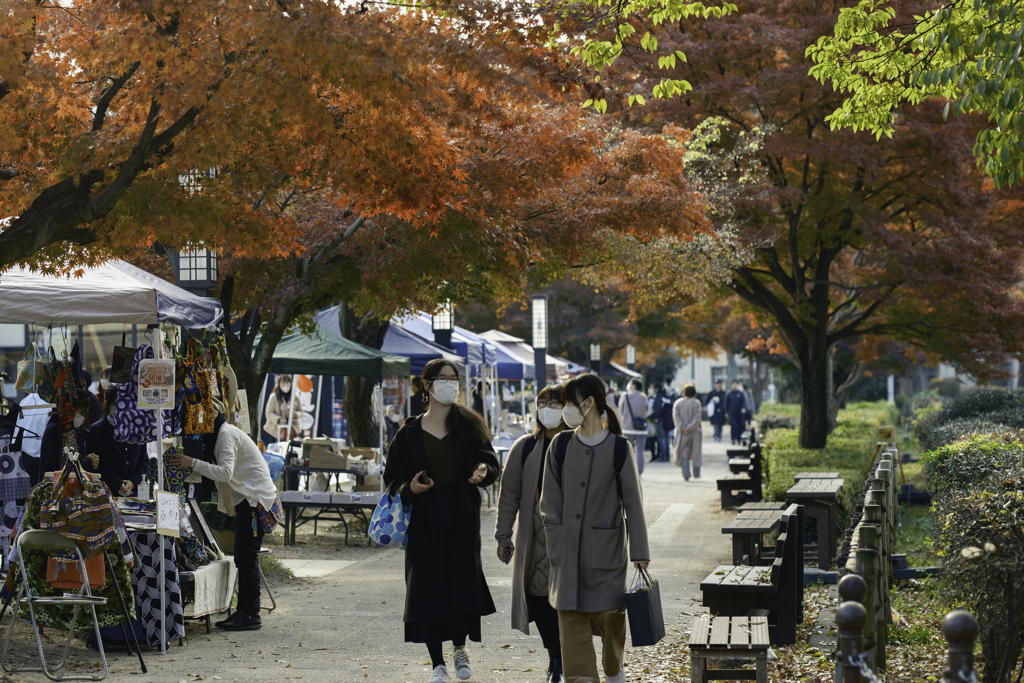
(728, 638)
(745, 479)
(819, 496)
(761, 505)
(747, 532)
(739, 590)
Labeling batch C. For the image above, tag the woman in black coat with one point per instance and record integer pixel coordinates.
(436, 463)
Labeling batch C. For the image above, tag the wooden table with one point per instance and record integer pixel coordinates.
(731, 638)
(815, 475)
(747, 535)
(733, 590)
(819, 499)
(761, 505)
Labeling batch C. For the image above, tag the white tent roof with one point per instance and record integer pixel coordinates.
(115, 292)
(499, 336)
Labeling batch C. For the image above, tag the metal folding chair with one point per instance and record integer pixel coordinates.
(50, 541)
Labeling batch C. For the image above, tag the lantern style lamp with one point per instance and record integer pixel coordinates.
(443, 324)
(595, 358)
(195, 270)
(540, 338)
(630, 356)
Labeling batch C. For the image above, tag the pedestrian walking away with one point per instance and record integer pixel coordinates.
(736, 409)
(715, 402)
(663, 401)
(633, 411)
(519, 499)
(437, 464)
(591, 504)
(246, 491)
(686, 448)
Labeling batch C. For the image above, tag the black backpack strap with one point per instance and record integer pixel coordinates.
(561, 446)
(621, 451)
(528, 446)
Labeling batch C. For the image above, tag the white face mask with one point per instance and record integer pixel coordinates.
(573, 416)
(286, 387)
(550, 417)
(445, 391)
(79, 420)
(104, 383)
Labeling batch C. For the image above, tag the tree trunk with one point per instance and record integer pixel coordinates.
(816, 395)
(358, 394)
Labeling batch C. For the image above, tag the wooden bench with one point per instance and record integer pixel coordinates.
(728, 638)
(820, 495)
(800, 476)
(762, 505)
(775, 591)
(748, 531)
(745, 484)
(739, 460)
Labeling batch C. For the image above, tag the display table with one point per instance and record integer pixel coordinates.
(213, 588)
(302, 507)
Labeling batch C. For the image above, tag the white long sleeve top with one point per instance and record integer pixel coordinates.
(241, 471)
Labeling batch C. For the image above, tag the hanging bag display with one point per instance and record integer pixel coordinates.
(132, 424)
(389, 525)
(31, 371)
(121, 361)
(45, 386)
(643, 606)
(79, 508)
(195, 383)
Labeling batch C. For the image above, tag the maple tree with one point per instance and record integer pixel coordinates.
(844, 238)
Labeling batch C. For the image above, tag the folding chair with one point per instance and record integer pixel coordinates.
(50, 541)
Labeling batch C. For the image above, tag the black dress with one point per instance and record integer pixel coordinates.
(446, 592)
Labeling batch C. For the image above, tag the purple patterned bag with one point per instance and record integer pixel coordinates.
(132, 424)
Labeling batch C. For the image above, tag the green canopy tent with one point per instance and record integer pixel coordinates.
(325, 353)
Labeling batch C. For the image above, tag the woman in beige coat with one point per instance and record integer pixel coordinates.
(282, 404)
(520, 498)
(589, 511)
(686, 413)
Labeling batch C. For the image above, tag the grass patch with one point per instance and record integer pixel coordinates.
(273, 568)
(917, 535)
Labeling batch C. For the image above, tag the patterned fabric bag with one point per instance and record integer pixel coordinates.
(44, 386)
(31, 371)
(195, 382)
(389, 525)
(131, 424)
(268, 519)
(80, 509)
(191, 553)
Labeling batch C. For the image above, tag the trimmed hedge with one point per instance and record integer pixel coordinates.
(985, 411)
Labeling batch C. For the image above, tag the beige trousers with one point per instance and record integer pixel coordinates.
(576, 630)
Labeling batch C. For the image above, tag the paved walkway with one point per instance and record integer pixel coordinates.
(344, 621)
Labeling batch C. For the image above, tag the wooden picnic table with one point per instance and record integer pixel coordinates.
(819, 499)
(815, 475)
(747, 536)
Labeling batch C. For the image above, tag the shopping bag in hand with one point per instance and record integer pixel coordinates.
(643, 606)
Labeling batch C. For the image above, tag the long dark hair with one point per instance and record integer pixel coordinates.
(549, 392)
(466, 424)
(281, 394)
(579, 389)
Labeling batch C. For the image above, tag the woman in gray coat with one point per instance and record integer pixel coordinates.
(687, 449)
(589, 510)
(520, 498)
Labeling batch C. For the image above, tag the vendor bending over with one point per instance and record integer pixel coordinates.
(120, 465)
(246, 491)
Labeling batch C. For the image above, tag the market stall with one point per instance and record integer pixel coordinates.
(115, 292)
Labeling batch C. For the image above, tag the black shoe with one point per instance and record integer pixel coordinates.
(234, 617)
(555, 671)
(244, 622)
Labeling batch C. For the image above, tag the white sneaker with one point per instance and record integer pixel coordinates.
(440, 675)
(617, 678)
(463, 669)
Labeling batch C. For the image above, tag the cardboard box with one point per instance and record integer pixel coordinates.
(311, 443)
(367, 454)
(322, 458)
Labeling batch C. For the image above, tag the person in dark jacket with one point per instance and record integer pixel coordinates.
(663, 419)
(120, 465)
(736, 409)
(51, 449)
(97, 404)
(437, 464)
(716, 397)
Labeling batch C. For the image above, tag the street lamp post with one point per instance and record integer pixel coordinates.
(540, 339)
(595, 358)
(443, 323)
(630, 356)
(195, 269)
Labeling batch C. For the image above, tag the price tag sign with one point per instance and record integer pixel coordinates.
(168, 521)
(156, 383)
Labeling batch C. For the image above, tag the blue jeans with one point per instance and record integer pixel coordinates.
(664, 443)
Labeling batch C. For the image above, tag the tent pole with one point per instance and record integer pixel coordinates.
(522, 402)
(291, 414)
(380, 419)
(408, 397)
(319, 405)
(158, 354)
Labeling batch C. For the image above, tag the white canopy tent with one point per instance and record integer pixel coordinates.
(115, 292)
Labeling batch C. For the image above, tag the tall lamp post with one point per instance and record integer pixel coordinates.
(540, 339)
(595, 358)
(630, 356)
(195, 269)
(443, 323)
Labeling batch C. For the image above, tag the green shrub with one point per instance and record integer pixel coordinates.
(980, 462)
(769, 422)
(982, 540)
(984, 411)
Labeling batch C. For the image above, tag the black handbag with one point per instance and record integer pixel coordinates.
(643, 607)
(121, 362)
